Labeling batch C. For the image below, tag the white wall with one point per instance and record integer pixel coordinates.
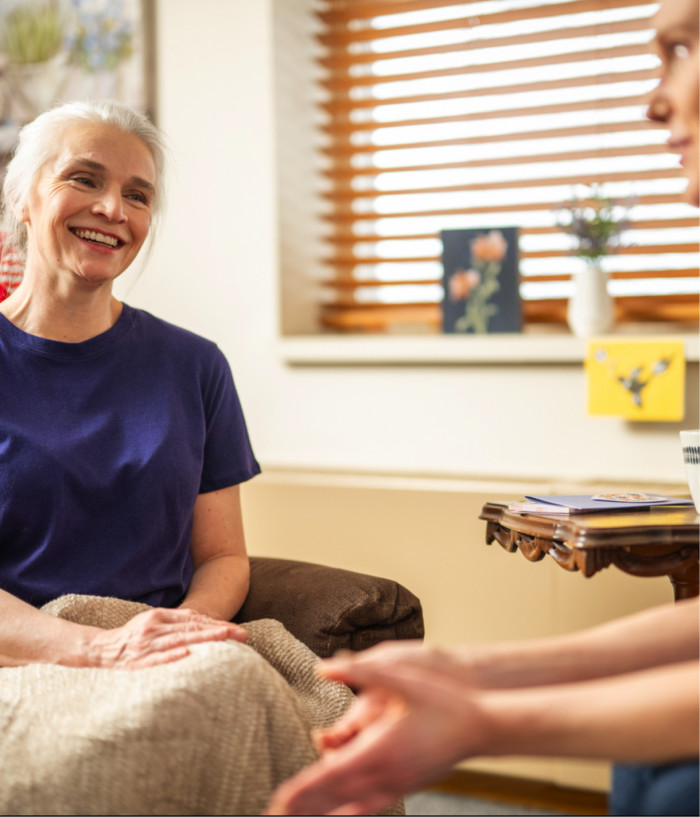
(214, 270)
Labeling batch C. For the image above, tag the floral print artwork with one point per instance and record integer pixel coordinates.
(474, 291)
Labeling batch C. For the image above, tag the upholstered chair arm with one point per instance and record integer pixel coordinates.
(328, 608)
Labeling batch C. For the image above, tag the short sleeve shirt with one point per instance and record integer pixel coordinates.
(104, 447)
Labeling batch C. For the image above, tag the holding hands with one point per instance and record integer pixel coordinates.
(414, 718)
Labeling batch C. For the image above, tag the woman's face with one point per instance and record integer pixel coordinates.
(675, 102)
(91, 207)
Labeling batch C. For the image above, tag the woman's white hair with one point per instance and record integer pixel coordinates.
(40, 140)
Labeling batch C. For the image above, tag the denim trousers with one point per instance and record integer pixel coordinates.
(655, 789)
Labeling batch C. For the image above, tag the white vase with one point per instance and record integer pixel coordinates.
(34, 87)
(591, 310)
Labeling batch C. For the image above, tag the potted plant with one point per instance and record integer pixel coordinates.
(595, 223)
(31, 39)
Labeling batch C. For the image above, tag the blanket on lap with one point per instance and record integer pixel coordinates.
(213, 733)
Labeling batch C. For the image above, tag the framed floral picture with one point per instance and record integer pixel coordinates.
(61, 50)
(481, 281)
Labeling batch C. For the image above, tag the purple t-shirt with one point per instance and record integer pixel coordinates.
(104, 448)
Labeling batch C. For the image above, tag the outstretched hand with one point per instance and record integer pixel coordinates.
(157, 636)
(413, 719)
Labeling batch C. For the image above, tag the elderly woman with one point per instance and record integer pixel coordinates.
(626, 691)
(123, 441)
(122, 446)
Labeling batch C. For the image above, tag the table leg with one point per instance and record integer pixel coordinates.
(685, 581)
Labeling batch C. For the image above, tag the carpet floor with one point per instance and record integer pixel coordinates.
(429, 802)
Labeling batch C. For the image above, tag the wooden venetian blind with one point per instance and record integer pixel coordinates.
(445, 114)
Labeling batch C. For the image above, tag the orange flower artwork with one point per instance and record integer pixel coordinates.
(481, 284)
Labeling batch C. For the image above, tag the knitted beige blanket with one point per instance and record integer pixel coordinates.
(213, 733)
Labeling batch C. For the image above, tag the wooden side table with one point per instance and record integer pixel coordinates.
(657, 542)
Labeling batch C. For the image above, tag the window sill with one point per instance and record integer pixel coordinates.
(539, 345)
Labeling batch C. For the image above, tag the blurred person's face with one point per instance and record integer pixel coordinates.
(676, 100)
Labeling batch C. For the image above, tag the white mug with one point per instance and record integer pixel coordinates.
(690, 440)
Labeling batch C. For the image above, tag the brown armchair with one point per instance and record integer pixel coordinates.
(328, 608)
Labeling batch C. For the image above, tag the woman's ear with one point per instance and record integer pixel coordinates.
(21, 212)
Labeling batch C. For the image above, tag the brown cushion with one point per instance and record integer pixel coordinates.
(328, 608)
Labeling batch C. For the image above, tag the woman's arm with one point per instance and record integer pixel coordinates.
(650, 716)
(221, 568)
(158, 636)
(29, 636)
(661, 635)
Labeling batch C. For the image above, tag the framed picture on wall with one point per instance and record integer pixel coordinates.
(55, 51)
(481, 281)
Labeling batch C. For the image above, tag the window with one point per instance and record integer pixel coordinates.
(444, 114)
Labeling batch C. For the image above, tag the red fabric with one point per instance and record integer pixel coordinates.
(11, 268)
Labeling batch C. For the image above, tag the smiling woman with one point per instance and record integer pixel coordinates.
(95, 439)
(122, 448)
(79, 198)
(89, 212)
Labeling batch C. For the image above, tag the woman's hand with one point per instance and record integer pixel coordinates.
(156, 636)
(394, 657)
(413, 722)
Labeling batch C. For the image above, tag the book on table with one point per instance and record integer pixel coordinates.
(595, 503)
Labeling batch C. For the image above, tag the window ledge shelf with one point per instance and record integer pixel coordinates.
(536, 346)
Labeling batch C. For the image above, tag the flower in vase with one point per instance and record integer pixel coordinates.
(103, 36)
(595, 222)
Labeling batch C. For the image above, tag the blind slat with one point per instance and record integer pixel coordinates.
(348, 216)
(670, 308)
(587, 179)
(347, 263)
(344, 83)
(337, 31)
(341, 60)
(341, 103)
(339, 151)
(342, 174)
(342, 127)
(347, 283)
(341, 238)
